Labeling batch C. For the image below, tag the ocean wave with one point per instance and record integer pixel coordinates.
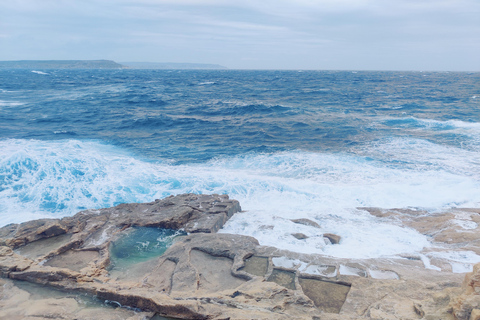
(39, 72)
(4, 103)
(455, 132)
(162, 122)
(243, 110)
(432, 124)
(64, 132)
(59, 178)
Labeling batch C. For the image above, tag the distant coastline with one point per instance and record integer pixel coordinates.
(61, 64)
(102, 64)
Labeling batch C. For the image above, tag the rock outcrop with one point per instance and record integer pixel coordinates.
(209, 275)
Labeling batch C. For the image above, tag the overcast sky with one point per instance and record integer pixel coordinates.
(249, 34)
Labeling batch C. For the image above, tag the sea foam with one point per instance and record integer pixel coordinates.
(59, 178)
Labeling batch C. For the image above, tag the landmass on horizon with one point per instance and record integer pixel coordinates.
(102, 64)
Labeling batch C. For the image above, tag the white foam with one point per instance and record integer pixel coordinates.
(39, 72)
(463, 128)
(458, 256)
(320, 270)
(4, 103)
(458, 267)
(427, 264)
(350, 271)
(288, 263)
(423, 158)
(461, 261)
(466, 224)
(60, 178)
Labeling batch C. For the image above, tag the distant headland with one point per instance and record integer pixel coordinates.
(61, 64)
(101, 64)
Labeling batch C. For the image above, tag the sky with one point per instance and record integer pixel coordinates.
(427, 35)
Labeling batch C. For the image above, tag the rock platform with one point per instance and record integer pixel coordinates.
(209, 275)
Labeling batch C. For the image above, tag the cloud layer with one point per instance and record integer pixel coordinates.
(267, 34)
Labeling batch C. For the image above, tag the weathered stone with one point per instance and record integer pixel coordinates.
(383, 274)
(11, 262)
(73, 259)
(328, 296)
(213, 279)
(218, 276)
(417, 307)
(94, 227)
(207, 223)
(18, 304)
(41, 248)
(306, 222)
(283, 277)
(322, 270)
(333, 238)
(475, 314)
(161, 276)
(353, 269)
(300, 236)
(463, 305)
(256, 265)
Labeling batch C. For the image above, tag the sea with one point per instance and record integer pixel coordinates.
(318, 145)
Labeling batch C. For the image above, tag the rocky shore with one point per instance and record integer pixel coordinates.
(67, 269)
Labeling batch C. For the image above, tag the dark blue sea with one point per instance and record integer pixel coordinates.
(286, 144)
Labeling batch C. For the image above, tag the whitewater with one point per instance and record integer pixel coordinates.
(319, 145)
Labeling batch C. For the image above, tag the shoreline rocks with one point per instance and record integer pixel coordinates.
(206, 275)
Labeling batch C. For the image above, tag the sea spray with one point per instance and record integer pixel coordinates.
(59, 178)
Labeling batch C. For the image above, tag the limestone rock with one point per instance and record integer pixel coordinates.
(475, 315)
(10, 261)
(464, 306)
(306, 222)
(18, 304)
(333, 238)
(205, 275)
(300, 236)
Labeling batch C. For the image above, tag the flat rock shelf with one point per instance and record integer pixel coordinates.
(164, 259)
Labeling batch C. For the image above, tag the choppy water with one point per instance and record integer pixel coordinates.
(286, 144)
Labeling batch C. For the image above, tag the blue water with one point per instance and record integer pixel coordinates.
(286, 144)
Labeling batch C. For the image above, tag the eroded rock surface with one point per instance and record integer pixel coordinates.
(205, 275)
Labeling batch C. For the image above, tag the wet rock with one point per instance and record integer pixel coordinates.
(257, 266)
(18, 235)
(328, 296)
(321, 270)
(306, 222)
(41, 248)
(17, 303)
(418, 309)
(94, 228)
(300, 236)
(217, 276)
(333, 238)
(353, 269)
(284, 278)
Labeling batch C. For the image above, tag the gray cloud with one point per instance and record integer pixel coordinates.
(279, 34)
